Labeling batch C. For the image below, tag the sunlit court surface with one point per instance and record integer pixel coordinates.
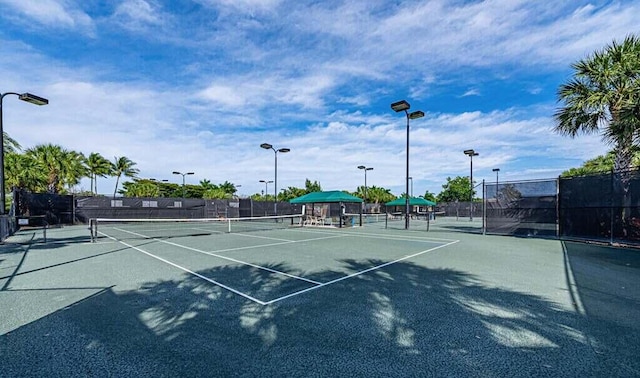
(371, 300)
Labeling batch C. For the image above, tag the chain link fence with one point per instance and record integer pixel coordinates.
(604, 207)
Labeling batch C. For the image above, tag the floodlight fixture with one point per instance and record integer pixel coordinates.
(268, 146)
(365, 169)
(36, 100)
(183, 176)
(416, 114)
(403, 106)
(471, 153)
(28, 97)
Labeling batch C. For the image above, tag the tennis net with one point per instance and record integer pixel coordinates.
(120, 229)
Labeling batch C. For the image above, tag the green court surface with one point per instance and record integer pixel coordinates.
(317, 301)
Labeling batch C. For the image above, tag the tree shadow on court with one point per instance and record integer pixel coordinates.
(606, 288)
(401, 320)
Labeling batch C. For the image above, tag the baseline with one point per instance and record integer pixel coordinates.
(359, 273)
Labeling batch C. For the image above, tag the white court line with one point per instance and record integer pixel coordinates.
(229, 258)
(276, 244)
(358, 273)
(318, 284)
(190, 272)
(377, 236)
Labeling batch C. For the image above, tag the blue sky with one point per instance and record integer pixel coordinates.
(198, 85)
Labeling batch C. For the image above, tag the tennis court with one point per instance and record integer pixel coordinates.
(198, 300)
(290, 260)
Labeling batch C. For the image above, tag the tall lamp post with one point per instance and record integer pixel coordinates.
(365, 182)
(496, 170)
(266, 182)
(403, 106)
(267, 146)
(471, 154)
(411, 179)
(28, 97)
(183, 175)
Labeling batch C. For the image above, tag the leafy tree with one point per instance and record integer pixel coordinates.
(457, 189)
(23, 171)
(193, 191)
(10, 144)
(140, 188)
(123, 166)
(62, 167)
(378, 196)
(312, 187)
(75, 169)
(228, 187)
(429, 196)
(216, 193)
(601, 164)
(207, 184)
(604, 97)
(291, 193)
(97, 165)
(604, 88)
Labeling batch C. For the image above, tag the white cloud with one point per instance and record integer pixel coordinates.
(51, 13)
(309, 77)
(471, 92)
(138, 14)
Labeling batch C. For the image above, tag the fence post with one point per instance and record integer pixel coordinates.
(558, 220)
(612, 188)
(484, 208)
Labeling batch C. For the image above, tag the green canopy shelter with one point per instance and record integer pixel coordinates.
(327, 208)
(413, 201)
(327, 197)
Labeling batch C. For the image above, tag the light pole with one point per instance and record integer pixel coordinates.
(411, 179)
(265, 186)
(471, 154)
(399, 107)
(183, 175)
(28, 97)
(365, 182)
(496, 170)
(267, 146)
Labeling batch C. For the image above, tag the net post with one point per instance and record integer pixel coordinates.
(229, 224)
(44, 230)
(92, 226)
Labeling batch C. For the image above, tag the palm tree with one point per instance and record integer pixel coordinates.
(206, 184)
(62, 167)
(216, 193)
(601, 96)
(228, 187)
(378, 196)
(123, 166)
(10, 144)
(97, 165)
(141, 188)
(23, 171)
(75, 169)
